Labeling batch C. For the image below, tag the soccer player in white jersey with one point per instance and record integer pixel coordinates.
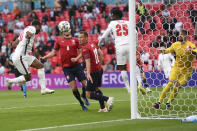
(165, 62)
(22, 60)
(119, 30)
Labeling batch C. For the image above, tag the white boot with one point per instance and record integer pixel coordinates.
(9, 85)
(47, 91)
(148, 90)
(110, 102)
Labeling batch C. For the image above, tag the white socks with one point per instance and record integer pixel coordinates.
(41, 76)
(139, 78)
(125, 79)
(17, 79)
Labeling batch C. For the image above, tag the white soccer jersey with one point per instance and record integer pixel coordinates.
(166, 60)
(119, 30)
(25, 45)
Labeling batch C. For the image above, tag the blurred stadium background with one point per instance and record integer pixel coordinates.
(156, 26)
(157, 23)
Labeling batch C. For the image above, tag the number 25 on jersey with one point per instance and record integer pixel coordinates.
(121, 29)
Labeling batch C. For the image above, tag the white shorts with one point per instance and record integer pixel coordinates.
(122, 54)
(138, 75)
(22, 63)
(167, 72)
(138, 70)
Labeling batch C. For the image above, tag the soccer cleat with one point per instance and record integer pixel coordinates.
(84, 108)
(142, 90)
(156, 105)
(148, 90)
(103, 110)
(47, 91)
(85, 99)
(9, 85)
(110, 103)
(164, 85)
(167, 106)
(25, 95)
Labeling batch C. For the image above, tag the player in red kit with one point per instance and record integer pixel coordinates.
(92, 56)
(141, 77)
(68, 47)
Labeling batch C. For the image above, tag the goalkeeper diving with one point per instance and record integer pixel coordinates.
(182, 69)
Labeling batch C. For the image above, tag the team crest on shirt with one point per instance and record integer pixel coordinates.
(92, 45)
(67, 77)
(73, 42)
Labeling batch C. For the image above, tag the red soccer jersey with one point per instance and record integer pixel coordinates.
(90, 51)
(68, 49)
(139, 62)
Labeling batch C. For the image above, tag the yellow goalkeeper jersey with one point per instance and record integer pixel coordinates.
(184, 58)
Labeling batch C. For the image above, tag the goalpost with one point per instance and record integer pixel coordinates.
(185, 104)
(132, 40)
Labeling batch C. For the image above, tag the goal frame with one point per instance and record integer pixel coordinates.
(132, 37)
(133, 82)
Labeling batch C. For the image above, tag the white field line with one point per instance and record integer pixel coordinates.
(8, 108)
(74, 125)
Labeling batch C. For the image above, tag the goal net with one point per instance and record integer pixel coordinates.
(159, 24)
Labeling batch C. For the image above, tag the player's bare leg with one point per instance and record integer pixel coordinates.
(125, 76)
(76, 93)
(41, 75)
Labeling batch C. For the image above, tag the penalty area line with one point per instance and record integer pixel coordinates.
(74, 125)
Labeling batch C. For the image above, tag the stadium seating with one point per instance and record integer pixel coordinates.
(178, 11)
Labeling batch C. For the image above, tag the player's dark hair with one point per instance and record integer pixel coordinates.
(185, 32)
(116, 12)
(84, 33)
(35, 22)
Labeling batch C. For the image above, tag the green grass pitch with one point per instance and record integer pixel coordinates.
(61, 112)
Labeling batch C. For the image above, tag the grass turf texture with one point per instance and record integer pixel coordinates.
(61, 108)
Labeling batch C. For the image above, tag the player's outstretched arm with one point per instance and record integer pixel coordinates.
(51, 54)
(168, 50)
(88, 67)
(77, 58)
(106, 33)
(162, 50)
(100, 55)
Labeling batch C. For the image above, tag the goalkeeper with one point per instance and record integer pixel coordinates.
(182, 69)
